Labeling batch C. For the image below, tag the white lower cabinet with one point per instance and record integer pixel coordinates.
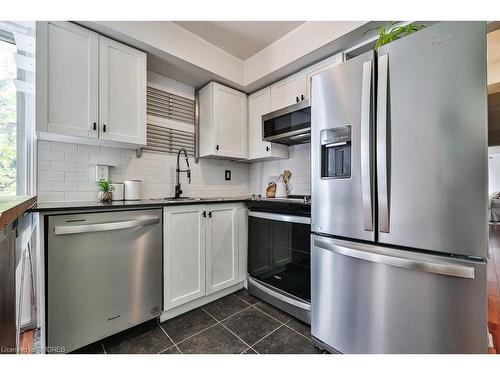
(204, 250)
(221, 247)
(184, 254)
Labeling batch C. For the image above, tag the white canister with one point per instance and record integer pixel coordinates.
(119, 191)
(282, 189)
(132, 190)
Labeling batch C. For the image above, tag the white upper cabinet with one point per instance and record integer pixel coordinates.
(122, 92)
(71, 78)
(319, 67)
(259, 104)
(223, 122)
(289, 91)
(89, 87)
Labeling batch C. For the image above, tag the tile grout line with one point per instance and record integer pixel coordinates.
(251, 304)
(222, 324)
(197, 333)
(294, 330)
(228, 317)
(279, 321)
(173, 342)
(269, 334)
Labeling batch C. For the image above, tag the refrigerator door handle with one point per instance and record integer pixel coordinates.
(412, 264)
(382, 154)
(366, 146)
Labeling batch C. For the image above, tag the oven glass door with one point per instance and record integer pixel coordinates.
(280, 255)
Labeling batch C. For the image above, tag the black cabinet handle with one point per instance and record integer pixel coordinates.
(104, 128)
(217, 147)
(297, 99)
(95, 125)
(268, 148)
(302, 97)
(204, 213)
(210, 214)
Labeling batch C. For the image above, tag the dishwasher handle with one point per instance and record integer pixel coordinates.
(101, 227)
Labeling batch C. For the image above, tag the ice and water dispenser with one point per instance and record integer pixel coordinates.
(336, 152)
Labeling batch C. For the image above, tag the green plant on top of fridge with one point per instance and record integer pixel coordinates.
(390, 32)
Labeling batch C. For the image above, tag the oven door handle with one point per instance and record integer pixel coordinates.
(280, 296)
(281, 217)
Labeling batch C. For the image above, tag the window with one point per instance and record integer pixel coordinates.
(17, 108)
(8, 118)
(170, 124)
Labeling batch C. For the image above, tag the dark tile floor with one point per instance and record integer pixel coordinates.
(237, 323)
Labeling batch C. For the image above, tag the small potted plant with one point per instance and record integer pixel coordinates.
(390, 33)
(105, 191)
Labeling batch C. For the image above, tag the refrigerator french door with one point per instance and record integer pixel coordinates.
(399, 194)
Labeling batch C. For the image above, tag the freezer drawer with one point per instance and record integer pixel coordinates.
(104, 274)
(371, 299)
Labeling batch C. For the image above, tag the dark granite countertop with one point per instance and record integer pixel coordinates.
(143, 203)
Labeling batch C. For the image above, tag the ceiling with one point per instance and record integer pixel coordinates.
(242, 39)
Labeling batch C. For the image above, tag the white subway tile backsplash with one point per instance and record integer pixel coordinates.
(44, 145)
(63, 166)
(76, 176)
(60, 146)
(299, 163)
(78, 157)
(64, 186)
(50, 155)
(50, 197)
(48, 176)
(87, 149)
(44, 165)
(78, 196)
(68, 174)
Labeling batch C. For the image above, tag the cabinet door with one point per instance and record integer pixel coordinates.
(230, 121)
(70, 63)
(319, 67)
(122, 92)
(259, 104)
(222, 247)
(288, 91)
(184, 254)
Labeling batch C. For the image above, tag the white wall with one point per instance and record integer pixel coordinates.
(168, 38)
(299, 163)
(299, 42)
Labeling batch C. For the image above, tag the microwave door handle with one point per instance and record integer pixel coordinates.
(366, 146)
(382, 152)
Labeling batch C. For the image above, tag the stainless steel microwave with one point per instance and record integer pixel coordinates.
(289, 126)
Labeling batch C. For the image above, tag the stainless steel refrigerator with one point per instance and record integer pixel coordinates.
(399, 196)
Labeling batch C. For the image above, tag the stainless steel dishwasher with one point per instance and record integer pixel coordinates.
(104, 274)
